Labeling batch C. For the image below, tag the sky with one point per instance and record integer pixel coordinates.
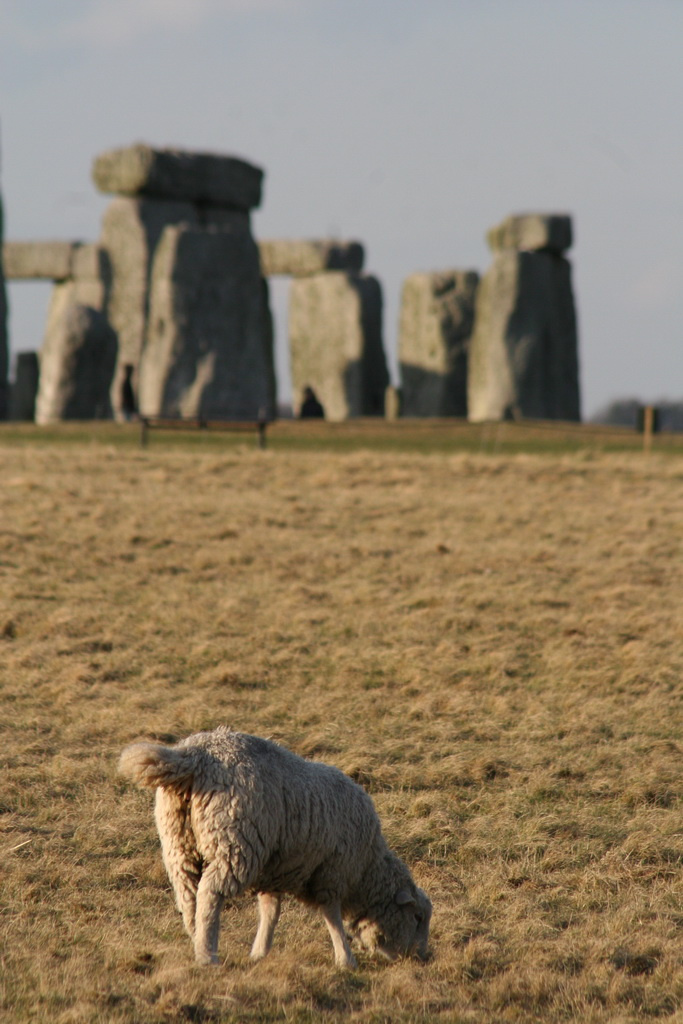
(412, 126)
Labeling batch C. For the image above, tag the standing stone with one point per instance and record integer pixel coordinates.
(4, 343)
(269, 350)
(131, 229)
(158, 188)
(437, 316)
(76, 361)
(523, 358)
(22, 404)
(82, 275)
(91, 276)
(335, 334)
(206, 352)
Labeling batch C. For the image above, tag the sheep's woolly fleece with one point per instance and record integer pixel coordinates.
(238, 813)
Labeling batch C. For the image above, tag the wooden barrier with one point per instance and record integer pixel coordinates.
(148, 423)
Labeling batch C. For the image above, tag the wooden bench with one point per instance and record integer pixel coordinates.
(148, 423)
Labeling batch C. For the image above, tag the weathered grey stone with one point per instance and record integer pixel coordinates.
(222, 218)
(335, 335)
(76, 336)
(84, 266)
(300, 258)
(76, 361)
(52, 261)
(89, 262)
(532, 231)
(436, 321)
(22, 400)
(523, 359)
(91, 277)
(141, 170)
(207, 347)
(4, 343)
(269, 350)
(131, 229)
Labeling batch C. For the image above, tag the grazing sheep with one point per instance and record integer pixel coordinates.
(237, 812)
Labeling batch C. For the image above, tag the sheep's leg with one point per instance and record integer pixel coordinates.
(207, 922)
(183, 877)
(269, 913)
(343, 957)
(182, 861)
(187, 904)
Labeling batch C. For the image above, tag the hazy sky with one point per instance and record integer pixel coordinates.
(411, 125)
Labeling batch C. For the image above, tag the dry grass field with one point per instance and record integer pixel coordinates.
(491, 643)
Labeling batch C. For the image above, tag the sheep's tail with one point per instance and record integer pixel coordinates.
(151, 764)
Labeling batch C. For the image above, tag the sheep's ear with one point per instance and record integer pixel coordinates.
(403, 898)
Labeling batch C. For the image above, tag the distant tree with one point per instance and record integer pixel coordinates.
(671, 415)
(623, 412)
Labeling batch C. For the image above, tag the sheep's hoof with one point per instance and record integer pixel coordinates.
(208, 959)
(349, 964)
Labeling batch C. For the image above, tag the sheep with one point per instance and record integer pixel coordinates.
(237, 813)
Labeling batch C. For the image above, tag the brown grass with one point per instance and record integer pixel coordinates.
(492, 645)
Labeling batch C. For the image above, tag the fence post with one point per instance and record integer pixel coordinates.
(648, 427)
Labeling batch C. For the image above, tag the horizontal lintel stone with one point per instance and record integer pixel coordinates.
(532, 231)
(141, 170)
(303, 257)
(51, 261)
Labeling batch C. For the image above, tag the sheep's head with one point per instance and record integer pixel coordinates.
(399, 929)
